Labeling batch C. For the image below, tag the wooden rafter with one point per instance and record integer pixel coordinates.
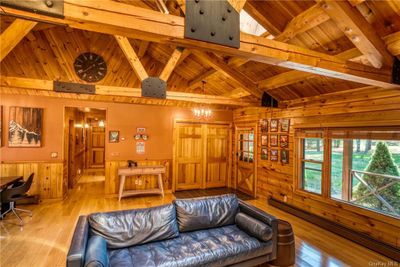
(13, 35)
(161, 6)
(37, 84)
(237, 4)
(393, 43)
(143, 48)
(359, 32)
(132, 57)
(134, 22)
(260, 18)
(171, 64)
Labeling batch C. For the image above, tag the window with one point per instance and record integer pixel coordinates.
(246, 146)
(362, 167)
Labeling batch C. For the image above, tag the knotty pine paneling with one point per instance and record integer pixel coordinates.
(379, 108)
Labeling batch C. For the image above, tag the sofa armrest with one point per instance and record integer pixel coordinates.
(76, 253)
(96, 252)
(265, 218)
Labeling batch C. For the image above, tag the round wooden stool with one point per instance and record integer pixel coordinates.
(286, 253)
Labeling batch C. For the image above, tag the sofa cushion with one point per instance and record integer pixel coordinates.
(213, 247)
(207, 212)
(96, 252)
(253, 227)
(132, 227)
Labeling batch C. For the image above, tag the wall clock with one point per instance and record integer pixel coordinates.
(90, 67)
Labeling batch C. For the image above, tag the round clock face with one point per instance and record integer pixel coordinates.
(90, 67)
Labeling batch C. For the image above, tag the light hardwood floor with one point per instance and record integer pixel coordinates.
(45, 239)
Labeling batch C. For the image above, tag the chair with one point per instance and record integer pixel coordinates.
(11, 195)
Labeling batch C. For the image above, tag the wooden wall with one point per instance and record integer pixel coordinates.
(47, 182)
(366, 107)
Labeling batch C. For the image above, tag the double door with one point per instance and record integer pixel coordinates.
(201, 155)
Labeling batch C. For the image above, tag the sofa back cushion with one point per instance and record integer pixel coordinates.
(207, 212)
(132, 227)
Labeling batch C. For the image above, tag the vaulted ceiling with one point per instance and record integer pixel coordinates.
(48, 51)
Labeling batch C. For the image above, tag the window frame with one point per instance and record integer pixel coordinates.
(326, 135)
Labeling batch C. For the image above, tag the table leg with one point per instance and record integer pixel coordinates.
(121, 186)
(160, 184)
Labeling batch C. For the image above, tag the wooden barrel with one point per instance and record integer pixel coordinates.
(286, 252)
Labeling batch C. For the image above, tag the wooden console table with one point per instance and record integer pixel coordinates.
(137, 171)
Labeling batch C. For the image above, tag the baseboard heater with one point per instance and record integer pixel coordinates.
(357, 237)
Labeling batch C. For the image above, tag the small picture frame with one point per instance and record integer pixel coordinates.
(274, 155)
(113, 136)
(284, 140)
(264, 125)
(264, 140)
(264, 153)
(285, 125)
(274, 125)
(273, 140)
(284, 156)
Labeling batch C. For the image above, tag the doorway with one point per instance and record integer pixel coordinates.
(84, 145)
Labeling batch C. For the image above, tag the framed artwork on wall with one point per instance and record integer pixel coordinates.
(264, 125)
(264, 140)
(285, 125)
(273, 140)
(264, 153)
(284, 140)
(284, 156)
(274, 154)
(25, 127)
(274, 125)
(113, 136)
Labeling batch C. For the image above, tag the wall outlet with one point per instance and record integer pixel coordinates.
(54, 155)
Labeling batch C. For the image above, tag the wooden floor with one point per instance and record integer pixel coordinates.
(44, 241)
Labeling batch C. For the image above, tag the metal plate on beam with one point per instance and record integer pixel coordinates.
(396, 71)
(53, 8)
(154, 87)
(212, 21)
(75, 88)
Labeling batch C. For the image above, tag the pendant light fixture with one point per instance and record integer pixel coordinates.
(202, 112)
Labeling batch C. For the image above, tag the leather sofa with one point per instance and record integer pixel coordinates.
(210, 231)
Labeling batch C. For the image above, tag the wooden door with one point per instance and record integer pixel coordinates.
(246, 159)
(188, 156)
(217, 155)
(96, 147)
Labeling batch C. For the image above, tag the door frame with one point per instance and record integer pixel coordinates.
(193, 121)
(246, 125)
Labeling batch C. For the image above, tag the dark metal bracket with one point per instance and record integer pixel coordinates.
(154, 87)
(75, 88)
(53, 8)
(396, 71)
(212, 21)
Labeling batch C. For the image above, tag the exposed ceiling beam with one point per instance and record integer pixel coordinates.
(13, 35)
(161, 6)
(38, 84)
(218, 64)
(143, 48)
(171, 64)
(356, 2)
(393, 43)
(237, 4)
(139, 23)
(260, 18)
(131, 56)
(194, 83)
(352, 23)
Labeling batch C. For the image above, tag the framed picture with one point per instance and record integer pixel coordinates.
(285, 124)
(113, 136)
(274, 125)
(274, 154)
(264, 153)
(284, 156)
(264, 125)
(264, 140)
(25, 127)
(284, 140)
(273, 140)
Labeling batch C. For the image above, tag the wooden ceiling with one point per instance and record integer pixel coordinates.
(368, 33)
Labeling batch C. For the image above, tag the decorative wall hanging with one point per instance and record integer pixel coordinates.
(264, 140)
(273, 140)
(264, 125)
(284, 140)
(285, 125)
(264, 153)
(141, 134)
(285, 156)
(274, 125)
(113, 136)
(274, 155)
(25, 127)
